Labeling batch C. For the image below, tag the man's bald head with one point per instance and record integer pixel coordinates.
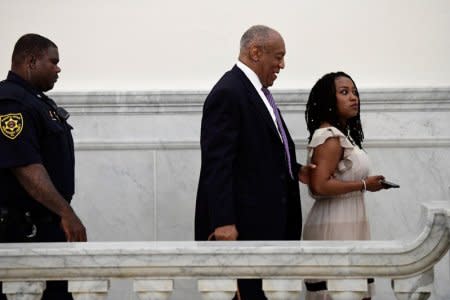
(257, 35)
(30, 44)
(263, 51)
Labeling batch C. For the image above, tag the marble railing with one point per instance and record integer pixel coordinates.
(153, 266)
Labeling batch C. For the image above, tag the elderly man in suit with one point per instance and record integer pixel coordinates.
(248, 188)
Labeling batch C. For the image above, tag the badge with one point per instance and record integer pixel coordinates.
(53, 115)
(11, 125)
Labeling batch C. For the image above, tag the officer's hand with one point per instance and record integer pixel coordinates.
(303, 173)
(226, 233)
(73, 228)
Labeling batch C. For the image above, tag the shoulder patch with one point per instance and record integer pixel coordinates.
(11, 125)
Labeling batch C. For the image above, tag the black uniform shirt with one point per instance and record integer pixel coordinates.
(32, 132)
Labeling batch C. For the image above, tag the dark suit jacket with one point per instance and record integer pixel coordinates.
(244, 178)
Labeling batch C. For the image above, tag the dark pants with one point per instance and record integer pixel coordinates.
(250, 289)
(46, 232)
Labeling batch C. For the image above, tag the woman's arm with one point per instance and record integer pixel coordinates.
(326, 158)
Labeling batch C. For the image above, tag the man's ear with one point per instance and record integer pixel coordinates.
(255, 53)
(30, 61)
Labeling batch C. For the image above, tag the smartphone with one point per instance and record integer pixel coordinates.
(387, 184)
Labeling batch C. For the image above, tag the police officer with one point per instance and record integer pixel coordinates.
(36, 155)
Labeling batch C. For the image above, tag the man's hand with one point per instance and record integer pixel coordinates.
(226, 233)
(36, 181)
(303, 173)
(72, 227)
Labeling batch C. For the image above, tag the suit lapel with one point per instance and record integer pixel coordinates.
(257, 102)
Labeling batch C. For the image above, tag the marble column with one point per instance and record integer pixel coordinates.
(414, 288)
(23, 290)
(89, 289)
(153, 289)
(217, 289)
(282, 289)
(347, 289)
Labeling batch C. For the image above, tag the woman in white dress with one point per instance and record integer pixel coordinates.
(342, 176)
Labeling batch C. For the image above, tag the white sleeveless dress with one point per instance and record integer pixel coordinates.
(341, 217)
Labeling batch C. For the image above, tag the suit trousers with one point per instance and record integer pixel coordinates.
(250, 289)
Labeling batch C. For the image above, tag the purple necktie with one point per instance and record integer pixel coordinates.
(280, 127)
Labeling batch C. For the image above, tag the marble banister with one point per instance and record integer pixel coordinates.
(146, 262)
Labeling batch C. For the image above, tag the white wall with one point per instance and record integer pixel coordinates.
(138, 164)
(159, 45)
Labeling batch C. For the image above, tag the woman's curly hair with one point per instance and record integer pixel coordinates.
(321, 107)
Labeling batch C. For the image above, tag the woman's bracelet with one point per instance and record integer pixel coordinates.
(364, 187)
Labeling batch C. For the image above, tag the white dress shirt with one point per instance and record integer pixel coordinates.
(251, 75)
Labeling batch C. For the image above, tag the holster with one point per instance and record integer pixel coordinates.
(16, 226)
(3, 224)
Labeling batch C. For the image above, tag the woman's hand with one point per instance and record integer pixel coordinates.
(373, 183)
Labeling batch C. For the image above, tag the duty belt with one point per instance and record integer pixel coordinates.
(15, 216)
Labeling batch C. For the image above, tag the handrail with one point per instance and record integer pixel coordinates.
(274, 259)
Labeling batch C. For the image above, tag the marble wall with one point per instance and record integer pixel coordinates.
(138, 162)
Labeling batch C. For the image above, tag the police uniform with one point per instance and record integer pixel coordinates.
(33, 131)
